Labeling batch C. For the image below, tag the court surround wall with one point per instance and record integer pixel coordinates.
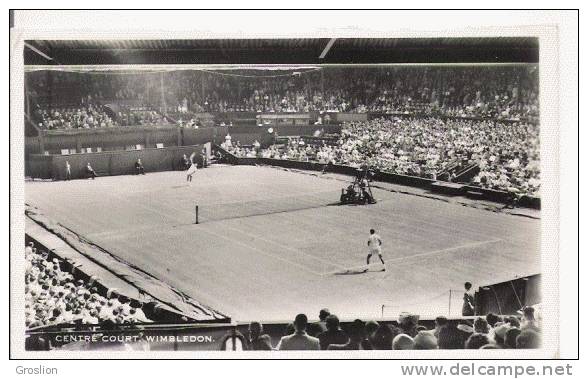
(117, 138)
(412, 181)
(110, 163)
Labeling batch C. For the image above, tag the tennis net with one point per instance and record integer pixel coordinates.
(226, 211)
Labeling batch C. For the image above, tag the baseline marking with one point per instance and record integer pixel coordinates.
(304, 268)
(286, 247)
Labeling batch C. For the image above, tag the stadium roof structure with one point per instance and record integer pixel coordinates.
(282, 51)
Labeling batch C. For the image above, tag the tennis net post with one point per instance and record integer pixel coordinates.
(196, 214)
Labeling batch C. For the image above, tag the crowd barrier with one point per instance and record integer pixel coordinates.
(375, 115)
(201, 135)
(121, 138)
(290, 119)
(116, 138)
(347, 117)
(287, 118)
(109, 163)
(237, 118)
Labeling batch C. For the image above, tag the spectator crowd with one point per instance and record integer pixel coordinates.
(81, 117)
(485, 332)
(132, 116)
(483, 115)
(507, 154)
(90, 116)
(54, 296)
(498, 92)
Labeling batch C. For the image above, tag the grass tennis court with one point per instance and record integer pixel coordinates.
(269, 240)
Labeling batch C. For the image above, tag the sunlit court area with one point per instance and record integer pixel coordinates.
(252, 263)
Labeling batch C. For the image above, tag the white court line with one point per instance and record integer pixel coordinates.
(338, 265)
(283, 247)
(474, 244)
(232, 240)
(310, 256)
(304, 268)
(434, 252)
(426, 254)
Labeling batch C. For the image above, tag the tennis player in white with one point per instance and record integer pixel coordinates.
(375, 247)
(192, 169)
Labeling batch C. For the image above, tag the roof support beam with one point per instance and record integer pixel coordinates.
(38, 51)
(327, 48)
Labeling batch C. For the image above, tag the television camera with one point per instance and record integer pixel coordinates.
(360, 191)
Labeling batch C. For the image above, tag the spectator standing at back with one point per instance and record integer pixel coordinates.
(383, 337)
(403, 342)
(492, 319)
(481, 326)
(440, 321)
(408, 323)
(510, 338)
(356, 337)
(529, 322)
(257, 340)
(90, 172)
(323, 314)
(425, 341)
(468, 301)
(370, 329)
(476, 341)
(450, 337)
(528, 339)
(333, 335)
(139, 169)
(299, 340)
(320, 326)
(67, 171)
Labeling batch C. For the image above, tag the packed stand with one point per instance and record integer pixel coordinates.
(498, 92)
(144, 116)
(54, 296)
(481, 92)
(80, 117)
(484, 332)
(506, 153)
(477, 91)
(241, 151)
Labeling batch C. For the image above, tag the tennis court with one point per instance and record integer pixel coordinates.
(271, 243)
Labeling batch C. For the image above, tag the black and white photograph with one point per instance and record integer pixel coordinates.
(289, 193)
